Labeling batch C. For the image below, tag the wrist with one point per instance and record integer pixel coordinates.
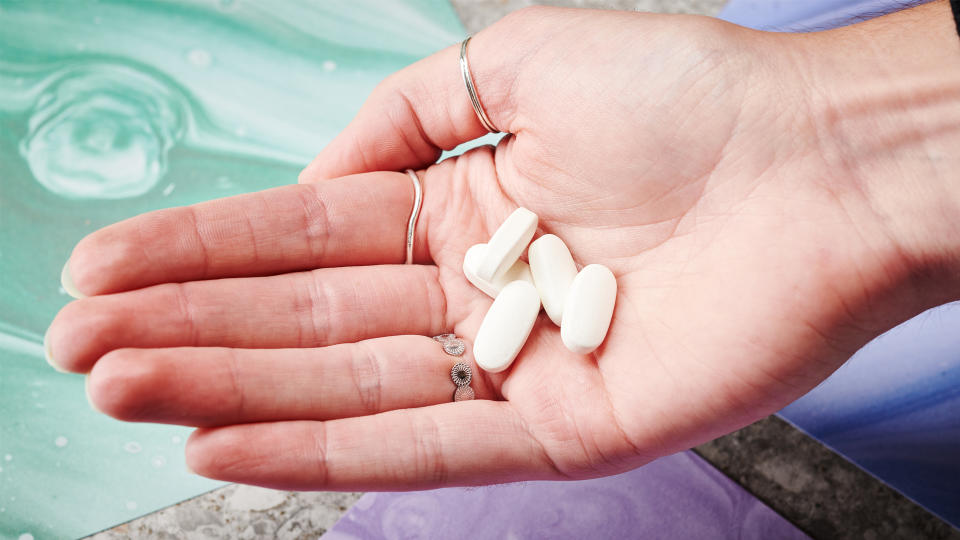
(884, 101)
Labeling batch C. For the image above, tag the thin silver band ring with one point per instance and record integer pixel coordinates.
(474, 99)
(414, 214)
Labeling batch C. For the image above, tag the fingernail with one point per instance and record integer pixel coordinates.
(66, 281)
(48, 356)
(86, 389)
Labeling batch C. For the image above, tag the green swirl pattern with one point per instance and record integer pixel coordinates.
(109, 109)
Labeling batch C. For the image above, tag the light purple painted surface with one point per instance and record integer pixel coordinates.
(808, 15)
(679, 496)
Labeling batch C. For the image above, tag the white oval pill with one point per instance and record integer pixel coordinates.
(553, 270)
(519, 271)
(506, 326)
(588, 309)
(507, 243)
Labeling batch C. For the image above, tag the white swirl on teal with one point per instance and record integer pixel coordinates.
(102, 132)
(113, 108)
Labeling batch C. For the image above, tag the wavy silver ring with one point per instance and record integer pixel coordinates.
(468, 80)
(414, 214)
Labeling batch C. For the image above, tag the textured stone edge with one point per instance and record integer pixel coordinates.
(817, 489)
(242, 512)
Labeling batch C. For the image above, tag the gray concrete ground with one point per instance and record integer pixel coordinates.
(821, 492)
(240, 512)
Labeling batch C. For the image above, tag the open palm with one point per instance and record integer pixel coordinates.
(282, 324)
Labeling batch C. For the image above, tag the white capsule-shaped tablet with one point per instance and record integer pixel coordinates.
(553, 270)
(588, 309)
(519, 271)
(507, 243)
(506, 326)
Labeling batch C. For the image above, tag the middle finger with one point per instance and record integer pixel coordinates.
(305, 309)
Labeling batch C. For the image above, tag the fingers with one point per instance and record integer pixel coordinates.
(306, 309)
(353, 221)
(235, 386)
(423, 109)
(464, 443)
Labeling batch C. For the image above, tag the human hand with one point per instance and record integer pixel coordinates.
(685, 154)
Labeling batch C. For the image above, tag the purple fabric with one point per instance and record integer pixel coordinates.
(679, 496)
(808, 15)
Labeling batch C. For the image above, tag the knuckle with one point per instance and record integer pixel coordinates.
(200, 248)
(237, 392)
(317, 224)
(366, 372)
(313, 310)
(187, 310)
(429, 463)
(318, 446)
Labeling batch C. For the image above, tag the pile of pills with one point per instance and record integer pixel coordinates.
(580, 303)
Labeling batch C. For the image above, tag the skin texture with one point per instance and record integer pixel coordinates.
(767, 202)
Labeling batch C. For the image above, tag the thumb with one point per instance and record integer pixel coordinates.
(423, 109)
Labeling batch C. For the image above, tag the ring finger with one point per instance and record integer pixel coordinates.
(234, 386)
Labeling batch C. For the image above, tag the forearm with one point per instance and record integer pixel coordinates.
(885, 103)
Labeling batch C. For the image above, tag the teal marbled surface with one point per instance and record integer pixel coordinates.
(109, 109)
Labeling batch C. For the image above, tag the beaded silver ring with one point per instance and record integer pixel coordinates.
(452, 345)
(461, 374)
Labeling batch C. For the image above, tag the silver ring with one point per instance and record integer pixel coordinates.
(452, 345)
(474, 99)
(461, 374)
(414, 214)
